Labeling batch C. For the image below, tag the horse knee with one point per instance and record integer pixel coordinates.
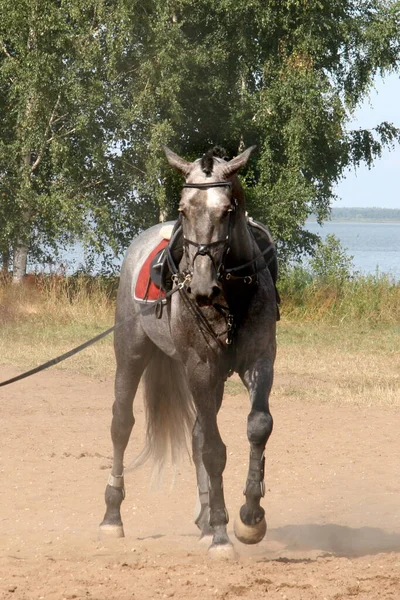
(259, 427)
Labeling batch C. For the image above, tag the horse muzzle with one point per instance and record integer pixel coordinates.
(203, 292)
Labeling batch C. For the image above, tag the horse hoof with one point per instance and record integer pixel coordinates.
(247, 534)
(206, 540)
(111, 531)
(222, 552)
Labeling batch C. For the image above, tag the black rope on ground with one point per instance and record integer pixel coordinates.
(58, 359)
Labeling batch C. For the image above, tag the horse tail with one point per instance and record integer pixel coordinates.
(170, 412)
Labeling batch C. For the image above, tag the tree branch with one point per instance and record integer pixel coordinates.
(6, 52)
(53, 137)
(48, 129)
(131, 165)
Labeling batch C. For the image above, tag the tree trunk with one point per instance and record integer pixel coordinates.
(5, 258)
(163, 215)
(20, 261)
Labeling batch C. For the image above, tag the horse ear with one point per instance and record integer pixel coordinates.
(176, 161)
(238, 162)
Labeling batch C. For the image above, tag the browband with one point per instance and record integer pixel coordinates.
(208, 185)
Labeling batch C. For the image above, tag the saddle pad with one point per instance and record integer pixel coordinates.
(166, 231)
(145, 290)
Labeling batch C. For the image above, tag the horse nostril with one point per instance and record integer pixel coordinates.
(215, 291)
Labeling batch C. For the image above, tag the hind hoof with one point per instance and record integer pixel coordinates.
(206, 540)
(111, 531)
(222, 552)
(247, 534)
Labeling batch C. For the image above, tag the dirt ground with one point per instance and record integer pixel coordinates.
(332, 503)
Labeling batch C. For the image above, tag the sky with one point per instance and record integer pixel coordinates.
(380, 185)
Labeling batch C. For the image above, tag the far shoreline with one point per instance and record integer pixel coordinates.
(360, 215)
(377, 221)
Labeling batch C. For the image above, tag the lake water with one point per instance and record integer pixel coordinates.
(374, 246)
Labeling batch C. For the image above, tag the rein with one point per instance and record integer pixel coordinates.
(181, 280)
(61, 357)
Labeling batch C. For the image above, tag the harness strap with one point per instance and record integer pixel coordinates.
(202, 248)
(251, 262)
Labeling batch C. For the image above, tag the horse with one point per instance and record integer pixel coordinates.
(220, 318)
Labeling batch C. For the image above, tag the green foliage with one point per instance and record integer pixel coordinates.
(59, 120)
(328, 289)
(90, 90)
(284, 75)
(330, 262)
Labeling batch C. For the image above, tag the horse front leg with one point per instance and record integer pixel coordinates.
(213, 455)
(250, 527)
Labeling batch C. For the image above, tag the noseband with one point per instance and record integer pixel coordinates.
(203, 249)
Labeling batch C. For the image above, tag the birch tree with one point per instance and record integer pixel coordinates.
(286, 76)
(58, 120)
(91, 89)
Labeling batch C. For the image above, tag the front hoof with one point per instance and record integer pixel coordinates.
(222, 552)
(111, 531)
(249, 534)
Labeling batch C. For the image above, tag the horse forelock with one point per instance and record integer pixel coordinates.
(210, 158)
(207, 163)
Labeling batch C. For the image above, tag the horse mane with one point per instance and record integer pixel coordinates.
(207, 160)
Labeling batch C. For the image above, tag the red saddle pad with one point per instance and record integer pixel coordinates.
(145, 290)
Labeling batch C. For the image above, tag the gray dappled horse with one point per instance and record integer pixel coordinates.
(222, 319)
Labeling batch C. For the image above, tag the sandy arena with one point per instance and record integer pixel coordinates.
(332, 503)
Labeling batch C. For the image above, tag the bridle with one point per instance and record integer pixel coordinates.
(203, 249)
(182, 278)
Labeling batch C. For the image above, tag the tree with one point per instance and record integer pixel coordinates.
(59, 114)
(284, 75)
(90, 90)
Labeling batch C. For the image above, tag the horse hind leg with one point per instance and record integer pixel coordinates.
(202, 510)
(127, 380)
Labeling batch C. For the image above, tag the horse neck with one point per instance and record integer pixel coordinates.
(242, 244)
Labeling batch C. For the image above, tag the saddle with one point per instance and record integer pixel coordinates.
(155, 277)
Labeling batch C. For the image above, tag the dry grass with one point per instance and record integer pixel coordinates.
(46, 317)
(370, 299)
(317, 361)
(356, 364)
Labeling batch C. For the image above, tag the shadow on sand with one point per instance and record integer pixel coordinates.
(336, 539)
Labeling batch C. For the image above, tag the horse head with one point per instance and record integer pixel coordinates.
(212, 198)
